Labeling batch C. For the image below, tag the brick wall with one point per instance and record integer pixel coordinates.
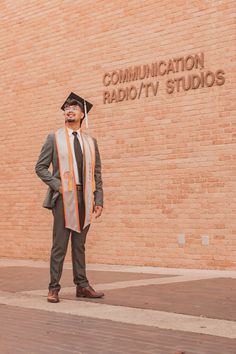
(168, 159)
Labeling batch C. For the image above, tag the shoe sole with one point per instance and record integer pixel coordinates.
(53, 301)
(90, 297)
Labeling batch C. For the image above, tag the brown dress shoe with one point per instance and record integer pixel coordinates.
(53, 296)
(88, 292)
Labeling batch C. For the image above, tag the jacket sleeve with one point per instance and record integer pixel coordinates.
(43, 163)
(98, 194)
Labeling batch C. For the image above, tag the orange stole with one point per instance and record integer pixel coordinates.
(69, 192)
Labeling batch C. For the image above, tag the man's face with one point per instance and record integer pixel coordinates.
(73, 113)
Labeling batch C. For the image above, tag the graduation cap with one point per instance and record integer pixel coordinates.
(84, 105)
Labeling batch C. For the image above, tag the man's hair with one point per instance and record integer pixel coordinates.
(73, 102)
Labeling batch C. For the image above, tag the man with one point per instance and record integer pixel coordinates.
(75, 193)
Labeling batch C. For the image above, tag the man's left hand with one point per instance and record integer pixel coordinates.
(98, 211)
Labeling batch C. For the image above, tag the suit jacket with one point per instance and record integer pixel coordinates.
(49, 155)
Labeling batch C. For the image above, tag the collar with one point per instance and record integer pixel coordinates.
(70, 131)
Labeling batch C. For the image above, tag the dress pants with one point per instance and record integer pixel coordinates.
(60, 243)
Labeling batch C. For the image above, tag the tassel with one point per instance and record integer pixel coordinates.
(86, 115)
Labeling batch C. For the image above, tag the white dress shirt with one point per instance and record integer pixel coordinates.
(71, 136)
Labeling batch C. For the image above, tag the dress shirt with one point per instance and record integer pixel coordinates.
(71, 136)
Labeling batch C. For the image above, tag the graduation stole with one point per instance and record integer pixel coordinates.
(69, 190)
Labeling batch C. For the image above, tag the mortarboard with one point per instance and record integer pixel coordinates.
(84, 105)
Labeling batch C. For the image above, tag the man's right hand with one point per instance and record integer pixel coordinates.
(60, 189)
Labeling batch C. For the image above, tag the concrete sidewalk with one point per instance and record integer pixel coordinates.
(145, 310)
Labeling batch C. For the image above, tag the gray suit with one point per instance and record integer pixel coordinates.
(53, 200)
(49, 155)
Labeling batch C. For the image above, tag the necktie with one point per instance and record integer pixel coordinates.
(79, 157)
